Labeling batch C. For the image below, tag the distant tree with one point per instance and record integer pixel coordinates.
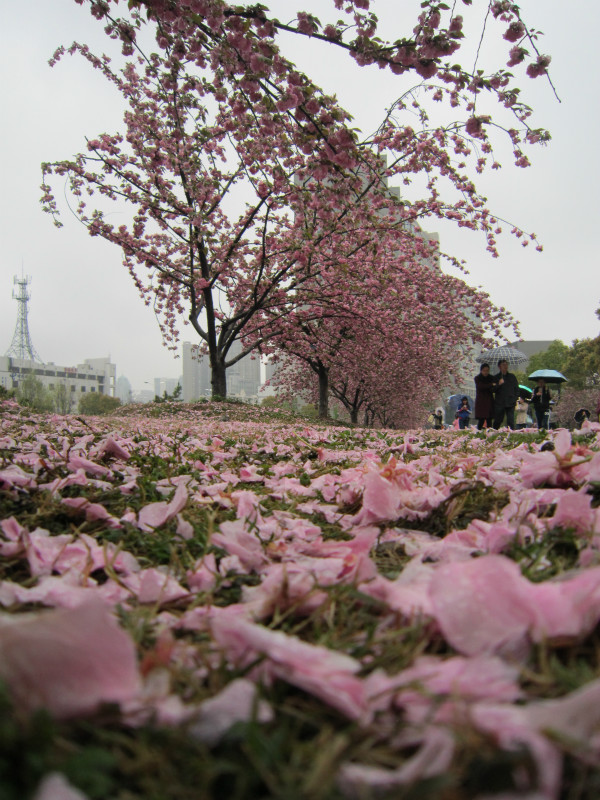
(275, 402)
(98, 404)
(579, 363)
(33, 394)
(62, 398)
(582, 364)
(175, 395)
(554, 357)
(309, 410)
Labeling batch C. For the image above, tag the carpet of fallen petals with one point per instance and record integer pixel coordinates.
(277, 608)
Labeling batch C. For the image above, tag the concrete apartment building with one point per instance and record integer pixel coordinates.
(93, 375)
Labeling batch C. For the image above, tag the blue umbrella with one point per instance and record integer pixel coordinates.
(549, 375)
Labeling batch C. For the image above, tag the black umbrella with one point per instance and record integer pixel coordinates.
(525, 393)
(581, 415)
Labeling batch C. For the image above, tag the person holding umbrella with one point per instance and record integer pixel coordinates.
(581, 415)
(505, 399)
(547, 376)
(541, 403)
(463, 413)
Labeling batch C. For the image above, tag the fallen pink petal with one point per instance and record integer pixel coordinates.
(413, 605)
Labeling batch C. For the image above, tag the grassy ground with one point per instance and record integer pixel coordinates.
(300, 751)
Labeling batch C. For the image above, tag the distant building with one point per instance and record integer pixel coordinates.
(93, 375)
(21, 360)
(123, 390)
(143, 396)
(530, 347)
(267, 389)
(162, 385)
(243, 378)
(196, 373)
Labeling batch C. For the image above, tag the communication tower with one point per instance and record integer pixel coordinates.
(22, 346)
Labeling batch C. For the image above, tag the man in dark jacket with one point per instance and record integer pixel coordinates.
(505, 399)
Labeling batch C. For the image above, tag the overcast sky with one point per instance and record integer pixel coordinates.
(83, 302)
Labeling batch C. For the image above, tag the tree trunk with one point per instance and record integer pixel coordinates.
(354, 415)
(218, 380)
(323, 373)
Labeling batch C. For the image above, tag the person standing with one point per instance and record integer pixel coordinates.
(463, 413)
(521, 413)
(541, 403)
(484, 397)
(505, 399)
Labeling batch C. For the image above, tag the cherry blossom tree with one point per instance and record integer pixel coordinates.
(404, 336)
(245, 182)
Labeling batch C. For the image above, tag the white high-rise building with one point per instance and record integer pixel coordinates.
(196, 374)
(123, 390)
(243, 378)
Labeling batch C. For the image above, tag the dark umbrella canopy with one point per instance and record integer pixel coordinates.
(525, 393)
(452, 404)
(581, 415)
(549, 375)
(454, 400)
(493, 357)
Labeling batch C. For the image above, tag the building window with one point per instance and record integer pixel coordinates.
(83, 388)
(93, 389)
(72, 388)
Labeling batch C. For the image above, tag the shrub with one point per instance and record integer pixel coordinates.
(96, 403)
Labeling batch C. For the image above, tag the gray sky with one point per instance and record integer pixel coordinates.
(83, 302)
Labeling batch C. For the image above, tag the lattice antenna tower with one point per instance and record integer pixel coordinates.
(22, 346)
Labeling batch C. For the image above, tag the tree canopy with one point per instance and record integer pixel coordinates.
(554, 357)
(249, 190)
